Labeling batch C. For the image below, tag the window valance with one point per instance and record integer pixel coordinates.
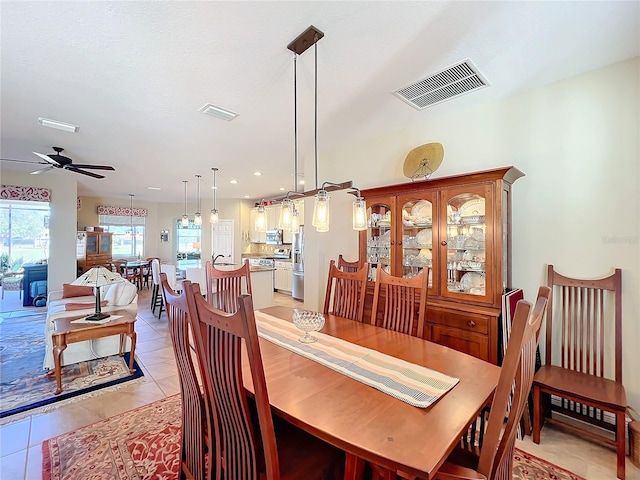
(122, 211)
(31, 194)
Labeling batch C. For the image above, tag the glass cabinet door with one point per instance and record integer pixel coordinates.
(419, 215)
(92, 243)
(380, 237)
(465, 244)
(105, 243)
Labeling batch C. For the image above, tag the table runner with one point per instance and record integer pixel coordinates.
(413, 384)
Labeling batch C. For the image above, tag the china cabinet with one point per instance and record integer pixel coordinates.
(93, 248)
(459, 227)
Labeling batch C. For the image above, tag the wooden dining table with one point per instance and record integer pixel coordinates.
(366, 422)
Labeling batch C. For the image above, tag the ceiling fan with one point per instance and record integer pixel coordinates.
(56, 160)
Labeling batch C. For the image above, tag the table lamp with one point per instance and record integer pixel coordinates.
(98, 277)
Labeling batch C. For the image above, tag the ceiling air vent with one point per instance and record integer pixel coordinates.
(451, 82)
(218, 112)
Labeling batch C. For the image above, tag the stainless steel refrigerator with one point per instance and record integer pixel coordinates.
(297, 248)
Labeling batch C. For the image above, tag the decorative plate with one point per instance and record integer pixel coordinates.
(421, 212)
(472, 280)
(472, 208)
(424, 238)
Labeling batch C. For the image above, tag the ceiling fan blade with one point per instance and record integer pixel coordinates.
(21, 161)
(95, 167)
(47, 159)
(77, 170)
(42, 170)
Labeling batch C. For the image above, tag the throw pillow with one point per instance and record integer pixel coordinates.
(121, 294)
(82, 306)
(69, 291)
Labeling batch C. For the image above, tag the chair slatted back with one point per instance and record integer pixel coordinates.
(195, 432)
(219, 336)
(584, 310)
(224, 287)
(404, 302)
(346, 266)
(514, 385)
(346, 292)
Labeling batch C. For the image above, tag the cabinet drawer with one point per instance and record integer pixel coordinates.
(462, 320)
(464, 341)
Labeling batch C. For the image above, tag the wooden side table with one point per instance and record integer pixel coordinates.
(66, 332)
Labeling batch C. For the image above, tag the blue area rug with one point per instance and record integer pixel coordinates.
(25, 387)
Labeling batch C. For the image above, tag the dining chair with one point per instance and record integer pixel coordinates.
(224, 287)
(346, 292)
(157, 299)
(193, 436)
(146, 272)
(493, 460)
(249, 444)
(129, 273)
(346, 266)
(402, 301)
(582, 374)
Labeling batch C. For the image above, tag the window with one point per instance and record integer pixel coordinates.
(125, 243)
(24, 233)
(188, 240)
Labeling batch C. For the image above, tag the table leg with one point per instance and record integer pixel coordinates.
(133, 336)
(58, 348)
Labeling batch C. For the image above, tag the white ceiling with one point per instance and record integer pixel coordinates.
(133, 76)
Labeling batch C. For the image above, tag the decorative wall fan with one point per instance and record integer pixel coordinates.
(422, 161)
(55, 160)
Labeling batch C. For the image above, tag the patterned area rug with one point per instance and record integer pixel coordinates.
(144, 444)
(25, 387)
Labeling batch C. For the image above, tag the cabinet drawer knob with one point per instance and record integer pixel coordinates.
(443, 243)
(471, 323)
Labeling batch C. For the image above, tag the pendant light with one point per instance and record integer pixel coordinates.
(295, 220)
(306, 39)
(197, 219)
(185, 217)
(213, 218)
(260, 224)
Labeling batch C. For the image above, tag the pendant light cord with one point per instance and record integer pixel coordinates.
(185, 197)
(315, 52)
(295, 122)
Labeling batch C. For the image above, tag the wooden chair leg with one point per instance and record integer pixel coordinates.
(537, 410)
(620, 442)
(354, 467)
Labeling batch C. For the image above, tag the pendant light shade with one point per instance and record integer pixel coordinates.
(295, 220)
(213, 218)
(321, 211)
(286, 213)
(359, 213)
(185, 217)
(197, 219)
(260, 219)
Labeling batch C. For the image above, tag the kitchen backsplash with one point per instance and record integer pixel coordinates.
(261, 249)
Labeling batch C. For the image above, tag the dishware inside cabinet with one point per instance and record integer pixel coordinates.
(379, 239)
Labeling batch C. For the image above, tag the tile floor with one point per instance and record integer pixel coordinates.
(20, 442)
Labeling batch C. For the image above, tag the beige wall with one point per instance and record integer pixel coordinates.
(577, 207)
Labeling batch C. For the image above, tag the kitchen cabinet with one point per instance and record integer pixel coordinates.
(92, 249)
(283, 280)
(458, 227)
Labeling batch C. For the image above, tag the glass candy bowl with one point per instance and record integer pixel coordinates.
(308, 322)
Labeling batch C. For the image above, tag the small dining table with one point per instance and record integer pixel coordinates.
(368, 423)
(138, 266)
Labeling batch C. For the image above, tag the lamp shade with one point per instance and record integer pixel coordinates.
(98, 277)
(321, 212)
(359, 214)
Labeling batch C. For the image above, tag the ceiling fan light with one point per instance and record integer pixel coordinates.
(67, 127)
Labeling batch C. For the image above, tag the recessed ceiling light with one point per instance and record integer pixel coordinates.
(214, 188)
(282, 189)
(301, 182)
(234, 181)
(67, 127)
(257, 174)
(154, 188)
(218, 112)
(247, 196)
